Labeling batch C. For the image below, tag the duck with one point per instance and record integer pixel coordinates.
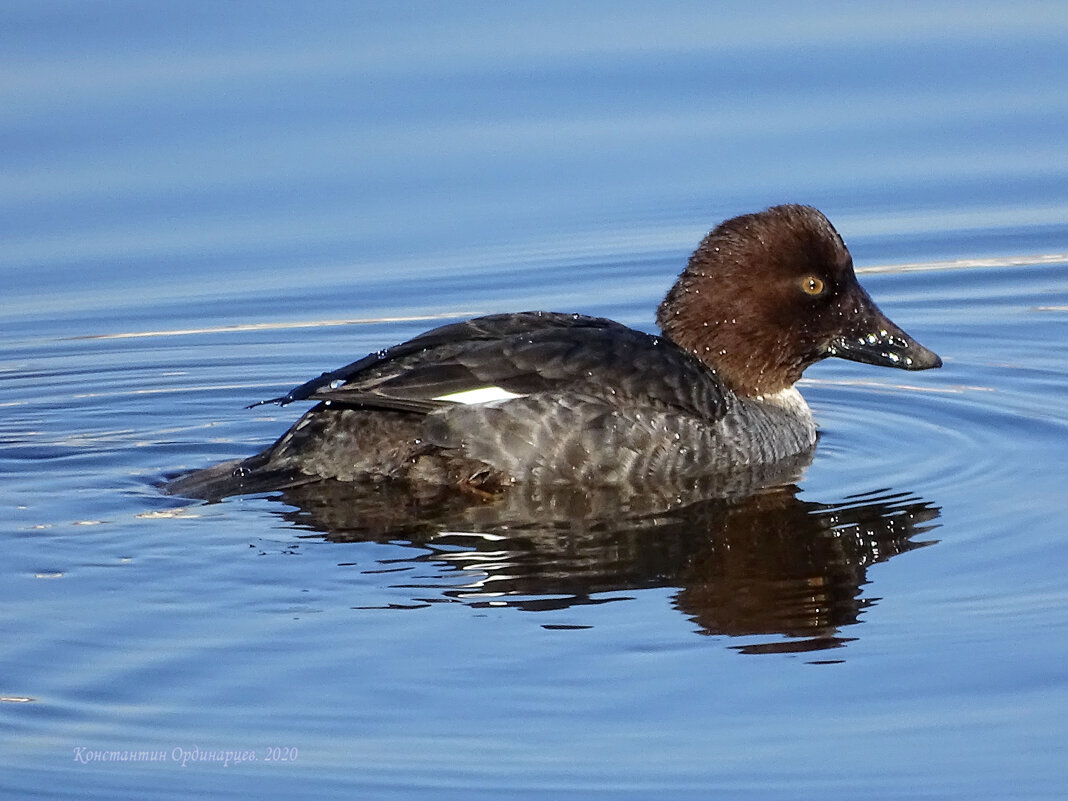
(552, 399)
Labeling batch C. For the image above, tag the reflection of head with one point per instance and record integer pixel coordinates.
(781, 566)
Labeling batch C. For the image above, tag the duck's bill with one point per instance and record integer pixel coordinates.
(873, 339)
(886, 349)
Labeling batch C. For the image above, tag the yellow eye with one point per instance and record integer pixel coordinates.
(811, 285)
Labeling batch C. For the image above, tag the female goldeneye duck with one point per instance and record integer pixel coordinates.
(548, 398)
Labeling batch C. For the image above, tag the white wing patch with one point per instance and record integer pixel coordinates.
(480, 395)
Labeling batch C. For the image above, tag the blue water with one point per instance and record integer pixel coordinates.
(203, 205)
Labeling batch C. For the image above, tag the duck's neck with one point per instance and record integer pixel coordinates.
(750, 360)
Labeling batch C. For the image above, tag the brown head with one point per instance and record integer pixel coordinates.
(767, 294)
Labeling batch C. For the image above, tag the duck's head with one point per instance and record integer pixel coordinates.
(767, 294)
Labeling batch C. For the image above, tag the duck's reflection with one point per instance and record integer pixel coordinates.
(750, 558)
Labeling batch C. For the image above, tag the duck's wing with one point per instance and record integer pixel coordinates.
(438, 344)
(500, 357)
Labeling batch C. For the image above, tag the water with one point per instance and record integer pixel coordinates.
(203, 206)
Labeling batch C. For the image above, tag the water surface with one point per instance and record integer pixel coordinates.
(202, 207)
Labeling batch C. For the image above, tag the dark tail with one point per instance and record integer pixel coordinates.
(236, 477)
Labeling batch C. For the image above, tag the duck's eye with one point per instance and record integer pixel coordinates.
(811, 285)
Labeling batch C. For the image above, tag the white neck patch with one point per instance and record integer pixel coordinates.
(788, 398)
